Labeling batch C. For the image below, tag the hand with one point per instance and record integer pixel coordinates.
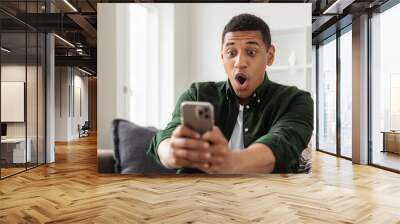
(223, 160)
(185, 148)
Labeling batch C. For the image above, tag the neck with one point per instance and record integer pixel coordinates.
(243, 101)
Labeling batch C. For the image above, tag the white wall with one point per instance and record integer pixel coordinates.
(68, 82)
(81, 108)
(182, 49)
(61, 104)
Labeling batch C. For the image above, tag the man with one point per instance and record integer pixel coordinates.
(261, 126)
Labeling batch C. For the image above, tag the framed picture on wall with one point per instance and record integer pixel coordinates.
(12, 101)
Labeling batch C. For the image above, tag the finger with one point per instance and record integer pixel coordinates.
(182, 131)
(214, 136)
(191, 164)
(216, 160)
(188, 143)
(218, 150)
(193, 156)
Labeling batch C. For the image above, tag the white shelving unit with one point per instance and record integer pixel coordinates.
(292, 65)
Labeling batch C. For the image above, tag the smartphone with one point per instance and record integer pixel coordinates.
(198, 116)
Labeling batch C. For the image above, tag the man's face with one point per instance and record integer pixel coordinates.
(245, 57)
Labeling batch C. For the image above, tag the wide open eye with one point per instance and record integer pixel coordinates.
(252, 52)
(231, 53)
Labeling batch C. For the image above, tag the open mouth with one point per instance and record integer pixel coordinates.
(241, 79)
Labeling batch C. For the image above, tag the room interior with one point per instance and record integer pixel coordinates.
(67, 71)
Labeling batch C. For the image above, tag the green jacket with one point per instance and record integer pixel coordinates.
(278, 116)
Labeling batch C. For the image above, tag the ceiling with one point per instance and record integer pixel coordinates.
(76, 22)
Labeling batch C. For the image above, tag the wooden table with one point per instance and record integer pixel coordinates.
(391, 141)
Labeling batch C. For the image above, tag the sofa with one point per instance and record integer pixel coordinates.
(130, 143)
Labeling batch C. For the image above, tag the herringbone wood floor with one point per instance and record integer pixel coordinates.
(70, 191)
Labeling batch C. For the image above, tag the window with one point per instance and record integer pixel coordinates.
(150, 60)
(143, 91)
(327, 96)
(22, 77)
(385, 89)
(346, 94)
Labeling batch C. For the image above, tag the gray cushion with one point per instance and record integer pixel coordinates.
(130, 145)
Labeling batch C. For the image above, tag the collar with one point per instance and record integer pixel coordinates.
(257, 94)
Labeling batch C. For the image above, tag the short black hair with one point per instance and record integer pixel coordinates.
(248, 22)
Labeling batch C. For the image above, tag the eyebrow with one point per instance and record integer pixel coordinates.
(252, 42)
(248, 42)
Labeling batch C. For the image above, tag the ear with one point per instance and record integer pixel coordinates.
(270, 55)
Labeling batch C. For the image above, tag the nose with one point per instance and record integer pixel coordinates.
(240, 61)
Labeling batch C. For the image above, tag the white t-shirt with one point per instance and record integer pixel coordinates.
(236, 141)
